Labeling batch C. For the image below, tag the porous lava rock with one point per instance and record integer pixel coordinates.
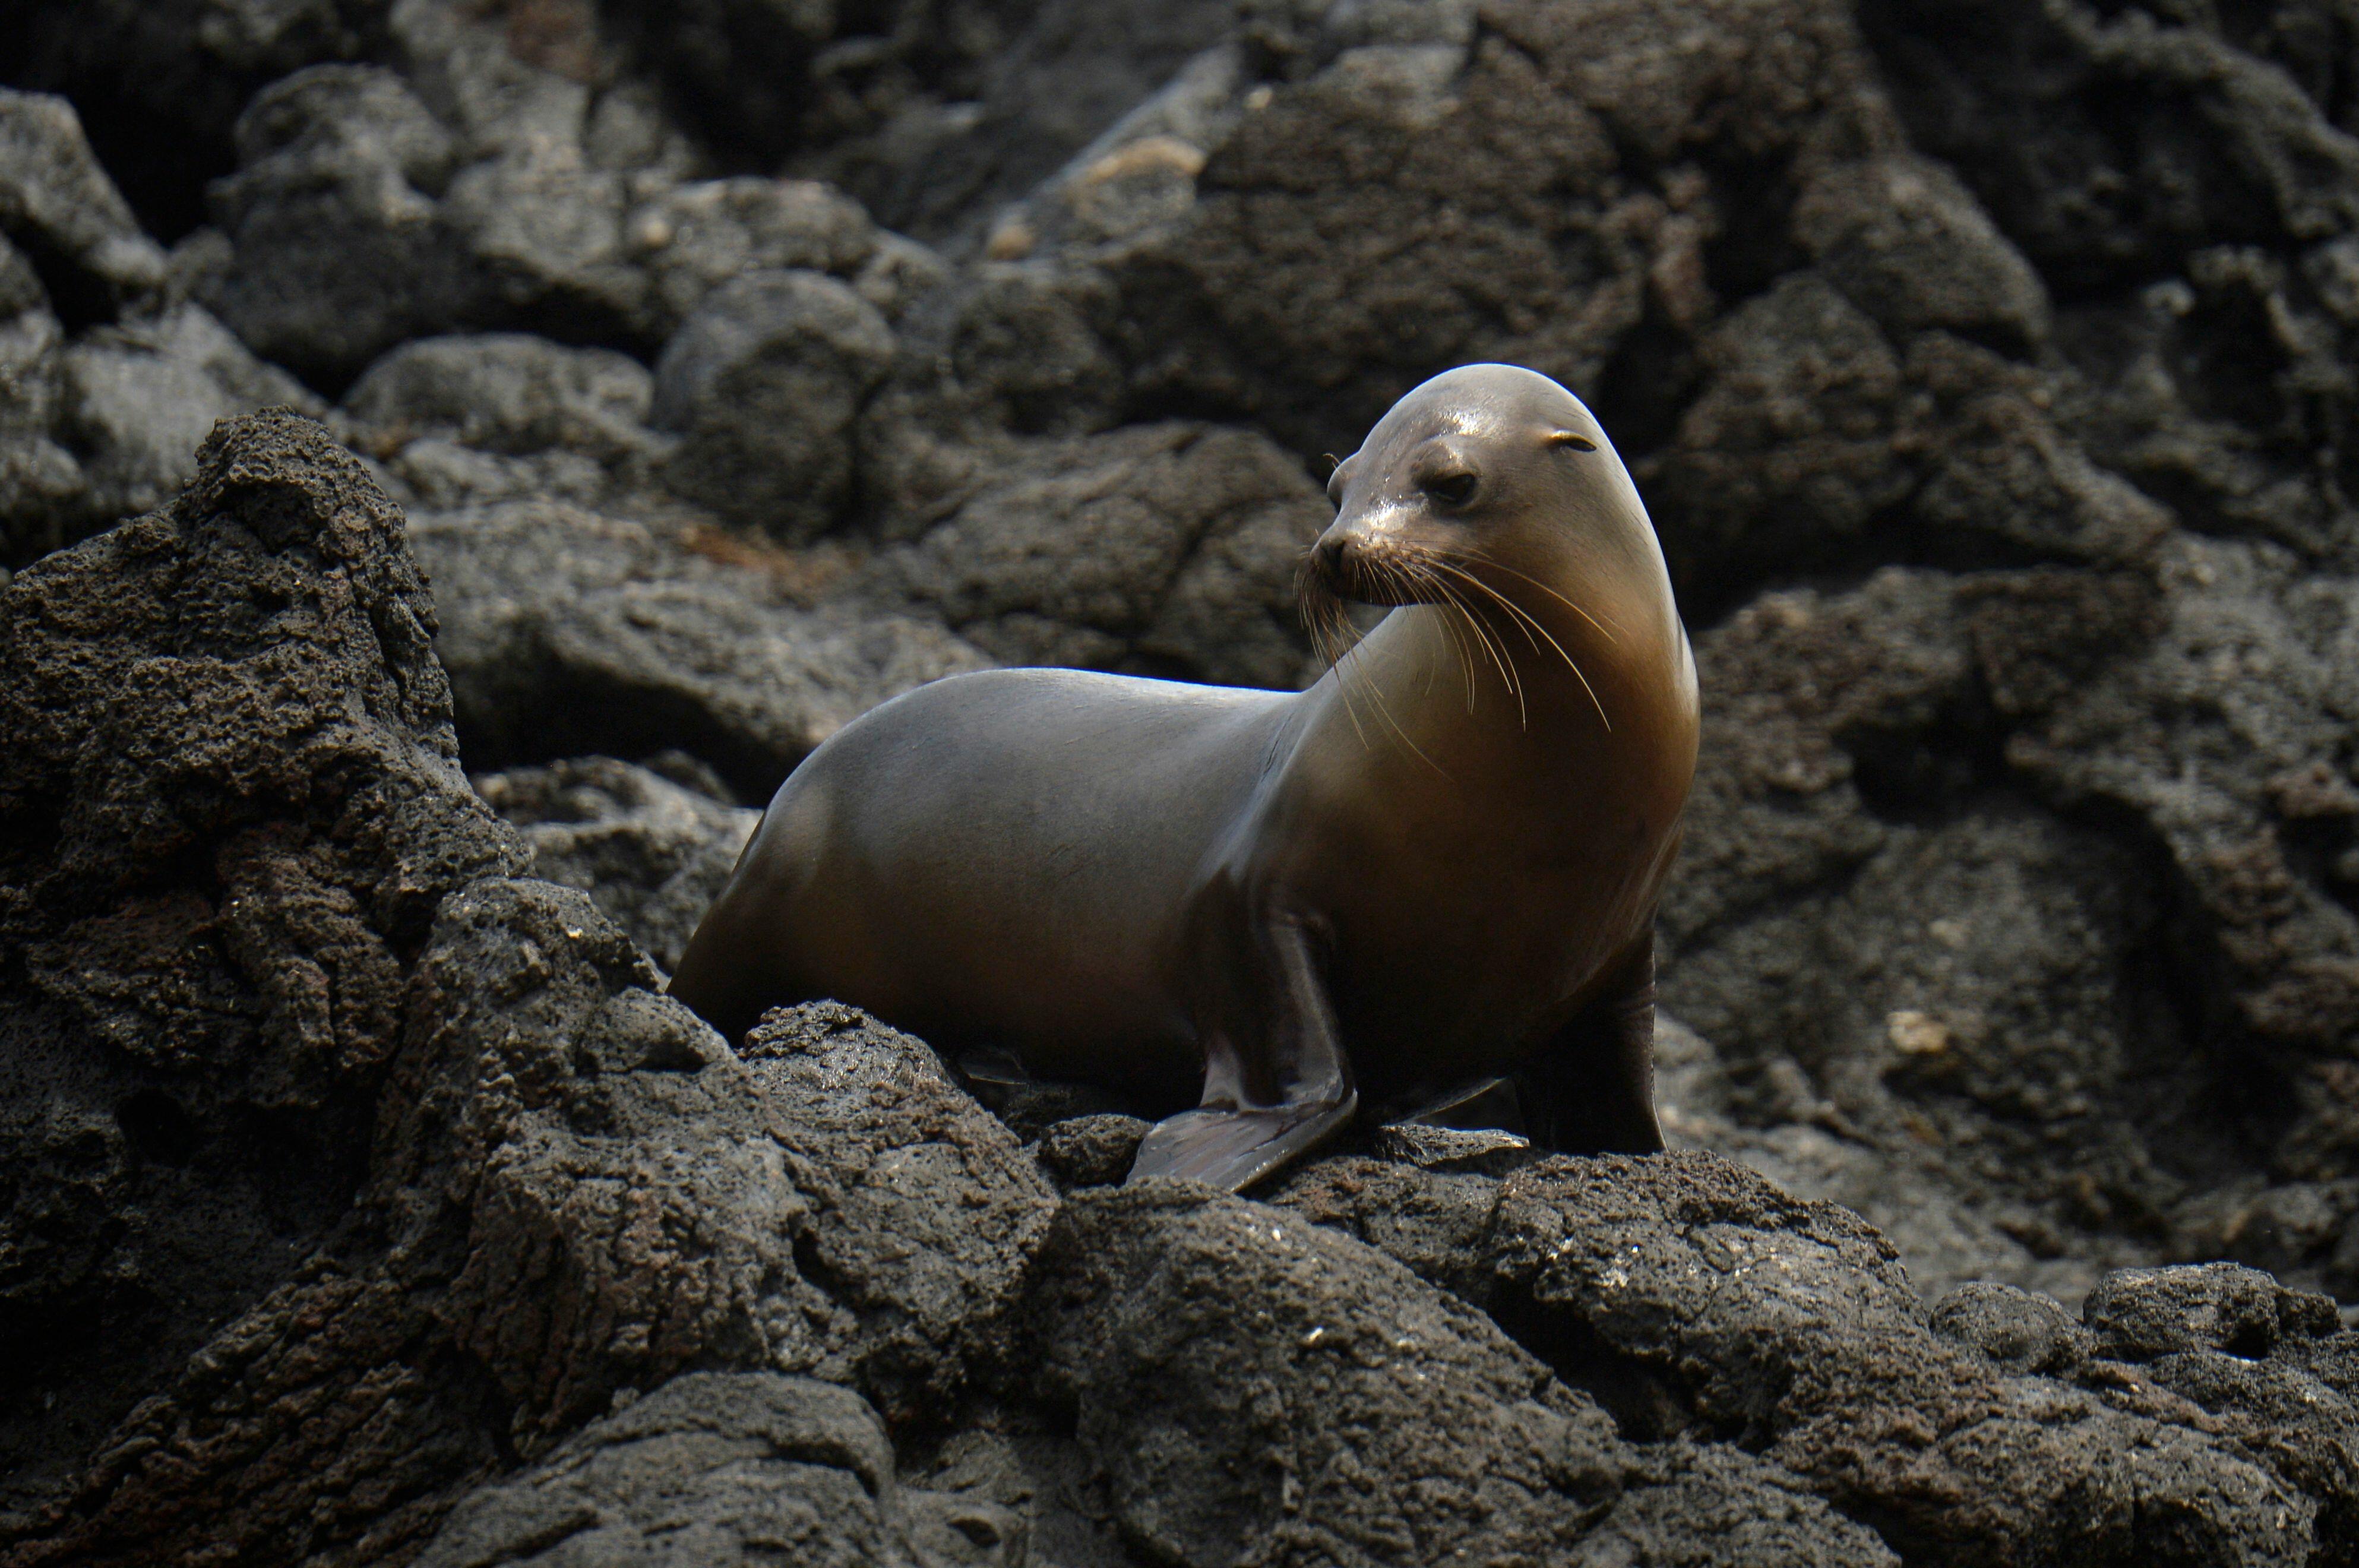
(232, 805)
(360, 1165)
(727, 1467)
(1674, 1289)
(652, 851)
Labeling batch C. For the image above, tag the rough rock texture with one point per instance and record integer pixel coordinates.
(1693, 1300)
(253, 911)
(764, 382)
(1178, 544)
(724, 1467)
(231, 801)
(652, 851)
(574, 632)
(1252, 1386)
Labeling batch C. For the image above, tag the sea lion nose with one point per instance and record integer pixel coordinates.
(1327, 555)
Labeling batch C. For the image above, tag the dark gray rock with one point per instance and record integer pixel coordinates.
(722, 1467)
(931, 1209)
(1936, 1002)
(506, 392)
(44, 497)
(233, 804)
(1673, 1288)
(572, 634)
(700, 236)
(1717, 1508)
(339, 252)
(2019, 1331)
(2193, 141)
(1168, 548)
(652, 854)
(54, 195)
(1092, 1151)
(2223, 731)
(1245, 1378)
(158, 83)
(137, 398)
(30, 337)
(1905, 241)
(2141, 1315)
(764, 382)
(509, 179)
(476, 420)
(1487, 1153)
(937, 167)
(253, 911)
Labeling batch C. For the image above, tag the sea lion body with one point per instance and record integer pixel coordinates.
(1437, 865)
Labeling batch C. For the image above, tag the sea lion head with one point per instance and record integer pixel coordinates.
(1488, 470)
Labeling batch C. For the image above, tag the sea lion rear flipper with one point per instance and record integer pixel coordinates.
(1232, 1149)
(1483, 1103)
(1592, 1089)
(1232, 1145)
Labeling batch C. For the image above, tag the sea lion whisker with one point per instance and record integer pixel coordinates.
(1324, 617)
(1389, 572)
(1342, 670)
(1425, 580)
(1451, 613)
(1500, 654)
(1530, 625)
(1501, 651)
(1602, 629)
(1502, 657)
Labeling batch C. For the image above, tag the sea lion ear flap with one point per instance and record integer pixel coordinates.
(1572, 438)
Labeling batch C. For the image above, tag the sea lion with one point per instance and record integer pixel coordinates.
(1436, 866)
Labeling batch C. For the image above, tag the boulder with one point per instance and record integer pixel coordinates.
(137, 398)
(234, 806)
(1673, 1288)
(505, 392)
(339, 251)
(764, 383)
(652, 853)
(55, 196)
(1169, 549)
(575, 634)
(716, 1467)
(1246, 1380)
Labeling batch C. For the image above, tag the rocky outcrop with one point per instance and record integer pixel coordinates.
(334, 1144)
(1672, 1288)
(724, 1467)
(233, 805)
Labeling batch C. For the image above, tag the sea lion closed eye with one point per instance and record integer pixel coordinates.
(1435, 867)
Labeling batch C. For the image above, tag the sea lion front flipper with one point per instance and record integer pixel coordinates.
(1231, 1144)
(1592, 1089)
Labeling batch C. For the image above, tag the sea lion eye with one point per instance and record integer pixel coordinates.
(1453, 487)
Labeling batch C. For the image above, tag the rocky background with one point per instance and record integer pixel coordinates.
(655, 388)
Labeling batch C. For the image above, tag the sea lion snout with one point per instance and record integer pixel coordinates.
(1355, 560)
